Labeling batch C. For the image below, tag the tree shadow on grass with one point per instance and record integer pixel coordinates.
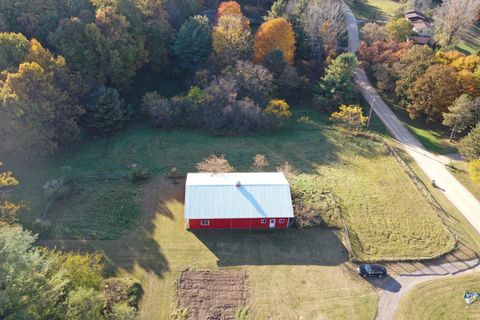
(316, 246)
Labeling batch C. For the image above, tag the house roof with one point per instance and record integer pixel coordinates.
(237, 195)
(419, 24)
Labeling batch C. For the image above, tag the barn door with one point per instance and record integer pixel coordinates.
(272, 223)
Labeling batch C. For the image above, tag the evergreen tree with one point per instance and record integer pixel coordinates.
(193, 43)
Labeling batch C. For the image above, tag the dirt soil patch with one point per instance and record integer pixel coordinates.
(212, 295)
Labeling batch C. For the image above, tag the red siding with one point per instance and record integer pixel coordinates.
(255, 223)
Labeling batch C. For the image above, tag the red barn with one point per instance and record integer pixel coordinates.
(237, 201)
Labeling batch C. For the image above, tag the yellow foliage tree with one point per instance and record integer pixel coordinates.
(474, 170)
(8, 210)
(274, 34)
(350, 117)
(230, 37)
(278, 108)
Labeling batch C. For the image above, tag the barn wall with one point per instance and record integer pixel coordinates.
(237, 223)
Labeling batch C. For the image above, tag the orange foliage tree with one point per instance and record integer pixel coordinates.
(274, 34)
(228, 7)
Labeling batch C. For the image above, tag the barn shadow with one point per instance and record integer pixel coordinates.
(316, 246)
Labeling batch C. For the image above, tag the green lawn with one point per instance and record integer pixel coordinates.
(375, 9)
(441, 299)
(470, 43)
(371, 186)
(434, 137)
(292, 274)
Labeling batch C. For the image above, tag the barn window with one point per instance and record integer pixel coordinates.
(263, 221)
(205, 222)
(282, 220)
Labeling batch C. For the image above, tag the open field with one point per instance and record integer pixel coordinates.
(441, 299)
(377, 10)
(470, 43)
(371, 186)
(291, 273)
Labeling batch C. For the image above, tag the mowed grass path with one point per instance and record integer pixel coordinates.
(441, 300)
(385, 214)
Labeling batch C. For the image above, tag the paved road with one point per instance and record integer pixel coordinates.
(392, 289)
(432, 165)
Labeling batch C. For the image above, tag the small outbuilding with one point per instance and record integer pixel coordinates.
(238, 201)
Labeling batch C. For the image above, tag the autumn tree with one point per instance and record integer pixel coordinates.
(274, 34)
(13, 48)
(410, 67)
(38, 18)
(473, 168)
(323, 23)
(215, 164)
(231, 38)
(277, 10)
(104, 49)
(36, 114)
(251, 81)
(461, 114)
(398, 29)
(193, 42)
(433, 93)
(228, 7)
(350, 117)
(469, 146)
(372, 32)
(452, 18)
(8, 209)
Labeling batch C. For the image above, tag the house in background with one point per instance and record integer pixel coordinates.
(238, 201)
(423, 30)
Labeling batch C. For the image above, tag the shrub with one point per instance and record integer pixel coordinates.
(474, 170)
(259, 162)
(106, 111)
(278, 108)
(84, 303)
(138, 173)
(57, 188)
(122, 311)
(215, 164)
(350, 117)
(122, 291)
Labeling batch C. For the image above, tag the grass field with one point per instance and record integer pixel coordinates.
(470, 42)
(378, 10)
(372, 188)
(292, 274)
(440, 299)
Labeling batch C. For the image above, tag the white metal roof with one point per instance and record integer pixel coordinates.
(237, 195)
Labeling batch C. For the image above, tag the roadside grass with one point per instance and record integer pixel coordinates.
(434, 137)
(470, 43)
(460, 172)
(372, 188)
(440, 299)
